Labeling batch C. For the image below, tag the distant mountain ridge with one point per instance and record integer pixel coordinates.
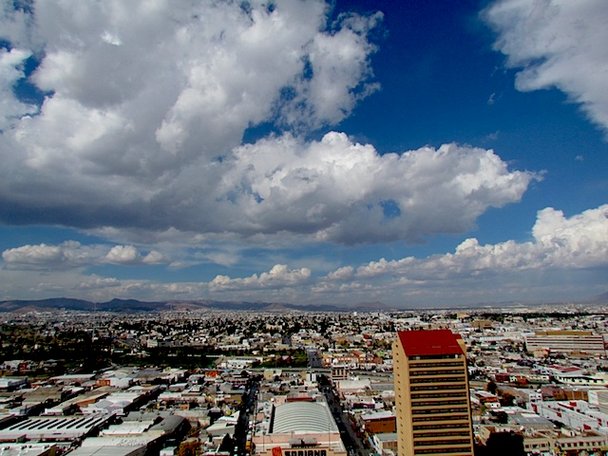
(134, 305)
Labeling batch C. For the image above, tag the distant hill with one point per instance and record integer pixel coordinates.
(134, 306)
(600, 299)
(45, 304)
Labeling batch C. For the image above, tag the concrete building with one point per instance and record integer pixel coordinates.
(432, 394)
(567, 341)
(298, 429)
(385, 444)
(577, 415)
(28, 449)
(339, 372)
(12, 383)
(54, 428)
(379, 422)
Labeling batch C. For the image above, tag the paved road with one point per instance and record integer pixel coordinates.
(353, 444)
(314, 360)
(245, 410)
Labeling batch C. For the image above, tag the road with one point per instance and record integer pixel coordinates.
(353, 444)
(245, 411)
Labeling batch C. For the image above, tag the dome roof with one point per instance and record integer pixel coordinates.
(302, 417)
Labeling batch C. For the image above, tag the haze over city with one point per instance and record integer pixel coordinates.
(413, 153)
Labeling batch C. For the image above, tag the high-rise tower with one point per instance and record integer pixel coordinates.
(432, 394)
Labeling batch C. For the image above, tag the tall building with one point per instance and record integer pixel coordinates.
(432, 394)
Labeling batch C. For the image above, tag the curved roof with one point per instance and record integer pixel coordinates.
(303, 417)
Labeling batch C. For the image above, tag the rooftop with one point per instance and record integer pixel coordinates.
(302, 417)
(430, 342)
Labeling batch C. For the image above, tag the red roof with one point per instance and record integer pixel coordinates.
(429, 342)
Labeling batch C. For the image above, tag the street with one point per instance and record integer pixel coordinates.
(245, 410)
(352, 442)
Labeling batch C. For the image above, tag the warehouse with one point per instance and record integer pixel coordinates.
(54, 428)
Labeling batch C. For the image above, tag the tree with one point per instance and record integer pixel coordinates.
(505, 444)
(491, 387)
(188, 447)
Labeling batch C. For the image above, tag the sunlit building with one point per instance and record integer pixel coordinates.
(567, 341)
(298, 429)
(432, 394)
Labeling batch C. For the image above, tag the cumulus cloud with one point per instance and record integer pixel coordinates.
(69, 254)
(154, 257)
(339, 62)
(72, 254)
(11, 71)
(122, 254)
(278, 277)
(557, 43)
(154, 144)
(33, 254)
(146, 145)
(580, 241)
(560, 252)
(342, 191)
(343, 273)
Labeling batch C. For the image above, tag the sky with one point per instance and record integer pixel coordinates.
(414, 153)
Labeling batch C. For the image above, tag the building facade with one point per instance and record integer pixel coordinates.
(567, 341)
(297, 429)
(432, 394)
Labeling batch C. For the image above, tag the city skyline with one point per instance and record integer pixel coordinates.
(418, 154)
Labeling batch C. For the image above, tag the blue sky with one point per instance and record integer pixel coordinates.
(414, 153)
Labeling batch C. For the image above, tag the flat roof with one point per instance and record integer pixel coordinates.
(378, 415)
(54, 427)
(110, 449)
(25, 449)
(429, 342)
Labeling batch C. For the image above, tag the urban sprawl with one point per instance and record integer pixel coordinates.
(521, 381)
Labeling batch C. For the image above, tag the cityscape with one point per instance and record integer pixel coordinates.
(303, 228)
(530, 381)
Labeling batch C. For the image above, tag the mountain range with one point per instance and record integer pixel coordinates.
(134, 305)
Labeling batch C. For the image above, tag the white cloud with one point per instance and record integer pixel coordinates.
(122, 254)
(383, 267)
(219, 257)
(139, 147)
(278, 277)
(154, 257)
(342, 191)
(69, 254)
(154, 144)
(580, 241)
(553, 264)
(72, 254)
(95, 282)
(338, 62)
(471, 272)
(33, 254)
(343, 273)
(557, 43)
(11, 71)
